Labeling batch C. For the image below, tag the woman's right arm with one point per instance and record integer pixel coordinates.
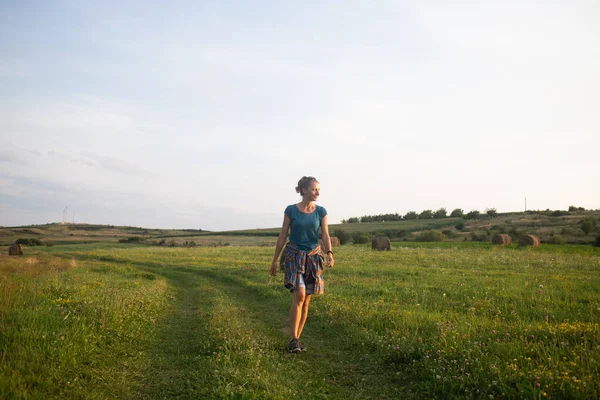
(280, 243)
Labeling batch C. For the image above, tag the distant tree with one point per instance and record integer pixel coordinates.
(457, 213)
(342, 235)
(573, 208)
(441, 213)
(597, 241)
(391, 217)
(426, 214)
(367, 218)
(411, 215)
(473, 214)
(460, 226)
(491, 212)
(353, 220)
(588, 225)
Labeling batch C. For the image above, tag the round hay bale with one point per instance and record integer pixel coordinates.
(335, 242)
(381, 243)
(502, 239)
(529, 240)
(15, 250)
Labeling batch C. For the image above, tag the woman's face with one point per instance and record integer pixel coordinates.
(312, 192)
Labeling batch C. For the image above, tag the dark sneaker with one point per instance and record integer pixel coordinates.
(294, 346)
(302, 348)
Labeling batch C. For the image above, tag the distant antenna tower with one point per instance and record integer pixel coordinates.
(65, 215)
(525, 203)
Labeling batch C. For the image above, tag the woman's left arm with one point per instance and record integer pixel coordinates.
(327, 241)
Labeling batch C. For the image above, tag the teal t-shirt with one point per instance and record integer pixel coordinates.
(304, 229)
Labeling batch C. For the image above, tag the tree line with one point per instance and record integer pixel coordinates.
(456, 213)
(425, 214)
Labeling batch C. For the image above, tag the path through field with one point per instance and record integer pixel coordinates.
(225, 336)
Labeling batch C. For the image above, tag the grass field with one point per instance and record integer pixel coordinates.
(451, 320)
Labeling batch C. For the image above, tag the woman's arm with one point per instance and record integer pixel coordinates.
(280, 243)
(327, 241)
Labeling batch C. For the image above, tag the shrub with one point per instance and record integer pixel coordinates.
(132, 239)
(411, 215)
(479, 237)
(566, 231)
(597, 241)
(499, 228)
(342, 235)
(588, 225)
(460, 226)
(441, 213)
(449, 233)
(559, 213)
(491, 212)
(457, 213)
(473, 214)
(556, 239)
(431, 236)
(361, 237)
(29, 242)
(426, 214)
(393, 233)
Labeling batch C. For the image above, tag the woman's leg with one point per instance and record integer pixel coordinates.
(304, 314)
(296, 312)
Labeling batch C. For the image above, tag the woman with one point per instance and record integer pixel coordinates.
(303, 258)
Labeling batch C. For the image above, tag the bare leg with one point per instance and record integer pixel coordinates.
(296, 312)
(304, 314)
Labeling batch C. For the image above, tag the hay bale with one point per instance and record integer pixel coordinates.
(502, 239)
(529, 240)
(335, 242)
(381, 243)
(15, 250)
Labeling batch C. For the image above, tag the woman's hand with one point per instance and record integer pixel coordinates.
(273, 269)
(330, 260)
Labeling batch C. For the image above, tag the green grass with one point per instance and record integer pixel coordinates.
(426, 320)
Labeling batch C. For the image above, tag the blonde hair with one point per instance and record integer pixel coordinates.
(304, 183)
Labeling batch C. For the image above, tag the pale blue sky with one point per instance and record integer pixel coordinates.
(206, 114)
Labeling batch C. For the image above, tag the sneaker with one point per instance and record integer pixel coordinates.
(294, 346)
(302, 348)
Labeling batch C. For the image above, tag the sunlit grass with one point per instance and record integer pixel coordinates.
(421, 321)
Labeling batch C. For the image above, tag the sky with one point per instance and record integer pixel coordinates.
(205, 114)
